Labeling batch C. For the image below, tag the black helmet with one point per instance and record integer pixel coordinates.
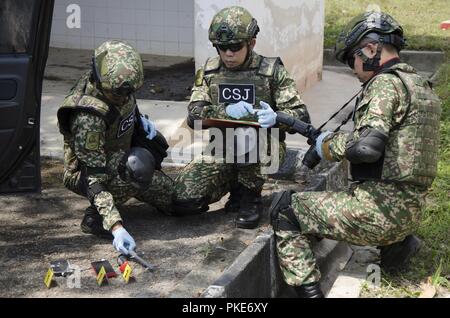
(137, 167)
(379, 26)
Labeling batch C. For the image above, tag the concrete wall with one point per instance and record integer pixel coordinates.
(291, 29)
(163, 27)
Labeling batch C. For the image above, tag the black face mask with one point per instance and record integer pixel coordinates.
(123, 91)
(232, 47)
(351, 61)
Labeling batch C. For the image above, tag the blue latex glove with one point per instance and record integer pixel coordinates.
(149, 127)
(239, 110)
(266, 117)
(123, 242)
(319, 142)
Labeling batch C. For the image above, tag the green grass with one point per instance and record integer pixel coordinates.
(420, 19)
(436, 226)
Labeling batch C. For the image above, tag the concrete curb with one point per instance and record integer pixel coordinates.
(255, 272)
(349, 283)
(425, 61)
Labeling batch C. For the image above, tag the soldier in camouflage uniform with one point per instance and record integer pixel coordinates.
(98, 119)
(233, 33)
(393, 158)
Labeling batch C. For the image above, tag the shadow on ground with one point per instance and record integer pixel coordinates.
(39, 228)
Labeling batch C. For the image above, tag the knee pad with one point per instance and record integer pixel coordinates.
(137, 168)
(282, 216)
(184, 207)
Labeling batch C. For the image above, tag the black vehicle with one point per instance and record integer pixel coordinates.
(24, 40)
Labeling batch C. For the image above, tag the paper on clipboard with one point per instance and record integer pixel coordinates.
(228, 123)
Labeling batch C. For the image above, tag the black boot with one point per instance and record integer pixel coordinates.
(249, 210)
(93, 224)
(395, 257)
(234, 201)
(309, 291)
(188, 207)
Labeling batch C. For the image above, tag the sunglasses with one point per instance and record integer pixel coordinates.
(123, 90)
(232, 47)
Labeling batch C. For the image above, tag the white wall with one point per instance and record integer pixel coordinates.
(291, 29)
(163, 27)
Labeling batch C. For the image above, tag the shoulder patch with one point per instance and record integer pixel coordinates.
(199, 77)
(92, 141)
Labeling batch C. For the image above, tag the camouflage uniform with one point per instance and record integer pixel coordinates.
(213, 180)
(273, 84)
(372, 212)
(97, 134)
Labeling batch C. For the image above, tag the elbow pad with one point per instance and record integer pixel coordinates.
(93, 190)
(368, 148)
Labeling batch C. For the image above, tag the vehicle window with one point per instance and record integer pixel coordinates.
(16, 18)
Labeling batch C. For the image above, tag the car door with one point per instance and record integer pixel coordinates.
(24, 39)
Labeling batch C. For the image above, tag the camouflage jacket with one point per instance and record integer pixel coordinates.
(400, 104)
(95, 139)
(281, 90)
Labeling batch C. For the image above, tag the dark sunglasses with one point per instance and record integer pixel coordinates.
(232, 47)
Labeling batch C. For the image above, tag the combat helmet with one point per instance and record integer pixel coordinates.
(232, 25)
(117, 68)
(379, 26)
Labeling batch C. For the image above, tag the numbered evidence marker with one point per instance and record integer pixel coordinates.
(103, 270)
(101, 276)
(127, 273)
(48, 278)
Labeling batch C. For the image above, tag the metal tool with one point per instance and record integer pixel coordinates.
(136, 258)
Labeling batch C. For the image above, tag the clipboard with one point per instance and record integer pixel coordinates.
(229, 123)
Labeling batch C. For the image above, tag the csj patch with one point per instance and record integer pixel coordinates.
(233, 93)
(126, 124)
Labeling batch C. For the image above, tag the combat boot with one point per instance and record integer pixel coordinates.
(234, 201)
(93, 223)
(249, 210)
(396, 257)
(309, 291)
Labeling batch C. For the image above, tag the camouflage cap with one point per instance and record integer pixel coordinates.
(232, 25)
(118, 68)
(363, 24)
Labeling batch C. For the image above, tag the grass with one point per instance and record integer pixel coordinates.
(420, 20)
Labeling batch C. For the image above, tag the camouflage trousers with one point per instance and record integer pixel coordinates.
(158, 195)
(210, 181)
(371, 213)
